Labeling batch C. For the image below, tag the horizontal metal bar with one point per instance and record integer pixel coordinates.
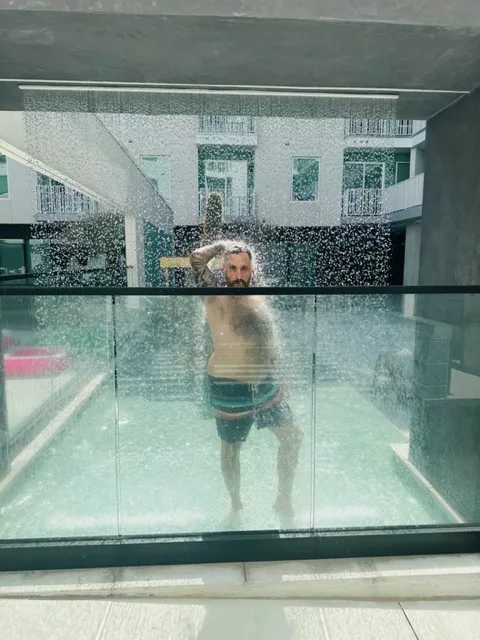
(27, 83)
(224, 291)
(253, 91)
(248, 546)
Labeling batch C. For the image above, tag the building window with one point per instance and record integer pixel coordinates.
(3, 177)
(364, 175)
(402, 171)
(305, 179)
(157, 170)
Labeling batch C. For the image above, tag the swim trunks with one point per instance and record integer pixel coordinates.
(238, 405)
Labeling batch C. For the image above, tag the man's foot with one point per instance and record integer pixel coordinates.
(237, 505)
(283, 506)
(233, 522)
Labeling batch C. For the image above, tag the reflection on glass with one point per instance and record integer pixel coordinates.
(59, 477)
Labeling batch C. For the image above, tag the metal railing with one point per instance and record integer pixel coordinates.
(55, 199)
(362, 203)
(404, 128)
(404, 195)
(368, 127)
(235, 207)
(236, 125)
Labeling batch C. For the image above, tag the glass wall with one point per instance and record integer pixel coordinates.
(59, 471)
(332, 412)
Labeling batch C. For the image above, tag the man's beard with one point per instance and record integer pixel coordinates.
(239, 283)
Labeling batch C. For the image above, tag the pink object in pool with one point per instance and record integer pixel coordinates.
(28, 362)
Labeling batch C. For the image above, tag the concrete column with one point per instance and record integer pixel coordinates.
(134, 251)
(413, 234)
(417, 161)
(445, 432)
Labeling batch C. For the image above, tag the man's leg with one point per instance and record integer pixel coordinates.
(290, 439)
(231, 472)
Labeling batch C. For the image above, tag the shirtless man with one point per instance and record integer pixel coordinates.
(243, 371)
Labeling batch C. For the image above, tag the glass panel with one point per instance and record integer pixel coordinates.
(59, 472)
(12, 257)
(395, 410)
(171, 441)
(398, 408)
(305, 179)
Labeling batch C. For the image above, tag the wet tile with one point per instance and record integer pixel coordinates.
(180, 620)
(51, 619)
(445, 620)
(364, 621)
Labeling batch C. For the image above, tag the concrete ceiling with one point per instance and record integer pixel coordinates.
(427, 52)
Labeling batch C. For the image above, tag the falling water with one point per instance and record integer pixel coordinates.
(313, 173)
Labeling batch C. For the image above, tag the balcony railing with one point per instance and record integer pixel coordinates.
(55, 199)
(368, 127)
(232, 125)
(362, 203)
(404, 195)
(237, 207)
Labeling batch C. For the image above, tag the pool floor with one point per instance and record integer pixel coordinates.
(159, 473)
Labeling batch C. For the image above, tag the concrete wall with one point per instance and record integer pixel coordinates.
(413, 235)
(435, 12)
(450, 249)
(279, 141)
(445, 436)
(18, 208)
(172, 136)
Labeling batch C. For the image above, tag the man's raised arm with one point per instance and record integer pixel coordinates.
(200, 258)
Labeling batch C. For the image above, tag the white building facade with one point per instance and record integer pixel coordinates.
(280, 172)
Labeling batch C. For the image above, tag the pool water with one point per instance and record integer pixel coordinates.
(145, 465)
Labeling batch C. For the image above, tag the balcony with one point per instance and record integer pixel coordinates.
(236, 208)
(63, 202)
(227, 130)
(363, 203)
(373, 132)
(404, 196)
(366, 127)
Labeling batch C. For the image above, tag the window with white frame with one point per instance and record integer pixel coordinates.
(157, 170)
(3, 177)
(364, 175)
(305, 179)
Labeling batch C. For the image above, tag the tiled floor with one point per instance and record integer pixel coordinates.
(237, 620)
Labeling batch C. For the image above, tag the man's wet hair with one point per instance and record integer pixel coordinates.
(239, 248)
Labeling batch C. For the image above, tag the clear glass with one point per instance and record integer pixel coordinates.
(397, 411)
(170, 455)
(59, 467)
(384, 388)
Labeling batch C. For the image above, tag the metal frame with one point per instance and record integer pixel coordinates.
(223, 291)
(242, 546)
